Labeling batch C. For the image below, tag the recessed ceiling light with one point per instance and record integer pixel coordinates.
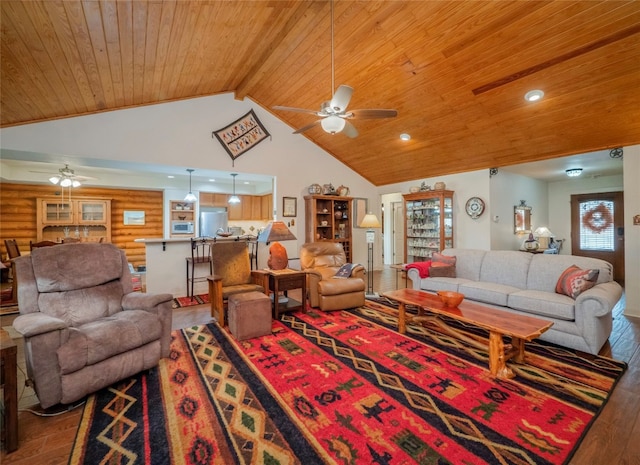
(212, 180)
(405, 136)
(171, 176)
(533, 95)
(573, 172)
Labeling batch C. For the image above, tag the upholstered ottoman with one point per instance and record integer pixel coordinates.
(249, 315)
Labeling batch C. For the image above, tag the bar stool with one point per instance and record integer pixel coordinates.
(200, 255)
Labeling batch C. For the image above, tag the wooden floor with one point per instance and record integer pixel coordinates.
(614, 438)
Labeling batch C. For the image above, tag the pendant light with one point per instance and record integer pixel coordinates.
(190, 197)
(234, 198)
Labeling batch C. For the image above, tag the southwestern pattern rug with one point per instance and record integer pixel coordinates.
(346, 388)
(199, 299)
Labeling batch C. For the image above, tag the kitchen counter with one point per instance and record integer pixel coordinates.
(166, 263)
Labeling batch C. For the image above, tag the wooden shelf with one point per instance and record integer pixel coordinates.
(329, 218)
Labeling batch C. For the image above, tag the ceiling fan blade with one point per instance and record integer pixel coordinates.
(307, 127)
(298, 110)
(341, 98)
(373, 113)
(350, 130)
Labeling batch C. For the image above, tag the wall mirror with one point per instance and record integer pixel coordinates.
(522, 218)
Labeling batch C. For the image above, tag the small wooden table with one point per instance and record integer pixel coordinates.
(499, 323)
(9, 371)
(286, 280)
(401, 268)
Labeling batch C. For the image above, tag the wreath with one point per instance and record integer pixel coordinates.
(598, 219)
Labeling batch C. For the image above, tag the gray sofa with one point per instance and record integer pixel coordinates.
(525, 283)
(84, 328)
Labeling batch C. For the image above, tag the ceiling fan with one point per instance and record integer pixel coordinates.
(333, 113)
(66, 177)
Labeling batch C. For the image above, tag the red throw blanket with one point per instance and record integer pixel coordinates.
(422, 267)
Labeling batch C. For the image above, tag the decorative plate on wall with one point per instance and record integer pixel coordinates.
(474, 207)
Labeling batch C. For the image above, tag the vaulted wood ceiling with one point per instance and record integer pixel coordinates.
(455, 71)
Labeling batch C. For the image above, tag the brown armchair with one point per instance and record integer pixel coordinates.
(321, 261)
(84, 328)
(232, 274)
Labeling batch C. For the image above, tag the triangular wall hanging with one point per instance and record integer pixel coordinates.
(241, 135)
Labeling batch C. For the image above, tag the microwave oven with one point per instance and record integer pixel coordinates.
(182, 227)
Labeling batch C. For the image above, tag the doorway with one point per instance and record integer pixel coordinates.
(597, 228)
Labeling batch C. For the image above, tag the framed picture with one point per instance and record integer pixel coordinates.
(289, 206)
(133, 217)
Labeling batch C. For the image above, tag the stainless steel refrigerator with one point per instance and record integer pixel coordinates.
(212, 220)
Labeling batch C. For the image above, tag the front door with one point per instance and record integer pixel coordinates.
(597, 228)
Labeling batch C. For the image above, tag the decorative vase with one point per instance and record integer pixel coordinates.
(315, 189)
(343, 191)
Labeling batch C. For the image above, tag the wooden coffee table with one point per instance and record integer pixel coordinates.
(499, 323)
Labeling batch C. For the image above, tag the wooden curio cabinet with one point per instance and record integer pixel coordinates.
(428, 225)
(329, 218)
(82, 218)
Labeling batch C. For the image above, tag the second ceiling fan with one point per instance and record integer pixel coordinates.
(333, 113)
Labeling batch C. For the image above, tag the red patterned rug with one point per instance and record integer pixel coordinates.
(346, 388)
(199, 299)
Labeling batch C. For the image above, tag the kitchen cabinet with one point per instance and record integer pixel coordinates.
(87, 219)
(428, 224)
(329, 218)
(251, 207)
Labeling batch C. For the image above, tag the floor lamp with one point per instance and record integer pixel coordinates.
(370, 221)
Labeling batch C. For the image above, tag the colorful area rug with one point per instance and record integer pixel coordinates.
(346, 388)
(200, 299)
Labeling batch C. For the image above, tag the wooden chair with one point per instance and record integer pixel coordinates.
(232, 275)
(200, 255)
(35, 245)
(12, 248)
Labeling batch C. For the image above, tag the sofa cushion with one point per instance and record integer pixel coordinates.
(468, 262)
(104, 338)
(442, 284)
(574, 281)
(507, 267)
(491, 293)
(543, 304)
(546, 269)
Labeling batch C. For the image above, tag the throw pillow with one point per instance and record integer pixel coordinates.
(438, 259)
(344, 271)
(574, 281)
(442, 271)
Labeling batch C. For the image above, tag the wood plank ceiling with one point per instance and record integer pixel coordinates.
(456, 71)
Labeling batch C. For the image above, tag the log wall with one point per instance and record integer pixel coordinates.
(18, 215)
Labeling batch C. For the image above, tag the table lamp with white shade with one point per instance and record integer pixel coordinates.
(543, 236)
(370, 221)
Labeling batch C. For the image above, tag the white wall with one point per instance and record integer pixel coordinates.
(179, 134)
(507, 190)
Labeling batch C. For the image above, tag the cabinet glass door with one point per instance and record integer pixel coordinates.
(91, 212)
(58, 212)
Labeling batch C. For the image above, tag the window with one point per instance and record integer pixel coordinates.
(596, 225)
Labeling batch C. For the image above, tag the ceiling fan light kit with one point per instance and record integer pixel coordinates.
(334, 112)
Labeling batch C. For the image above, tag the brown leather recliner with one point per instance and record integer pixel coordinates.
(321, 261)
